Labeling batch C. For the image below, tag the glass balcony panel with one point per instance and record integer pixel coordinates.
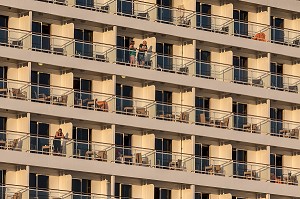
(125, 7)
(123, 56)
(240, 75)
(83, 49)
(11, 140)
(164, 63)
(241, 28)
(81, 148)
(239, 121)
(165, 14)
(203, 69)
(276, 81)
(85, 3)
(40, 93)
(277, 35)
(123, 104)
(40, 42)
(276, 127)
(204, 21)
(201, 164)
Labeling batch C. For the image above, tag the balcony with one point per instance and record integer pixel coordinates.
(250, 171)
(191, 19)
(13, 140)
(283, 175)
(59, 2)
(16, 191)
(138, 107)
(138, 156)
(172, 64)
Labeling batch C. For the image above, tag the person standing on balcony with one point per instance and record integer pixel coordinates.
(132, 53)
(142, 50)
(57, 141)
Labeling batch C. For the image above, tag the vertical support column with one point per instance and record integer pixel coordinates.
(193, 190)
(192, 67)
(111, 154)
(112, 185)
(114, 100)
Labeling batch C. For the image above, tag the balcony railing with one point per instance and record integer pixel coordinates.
(60, 2)
(212, 166)
(13, 140)
(191, 19)
(250, 171)
(283, 175)
(8, 191)
(138, 156)
(55, 95)
(152, 60)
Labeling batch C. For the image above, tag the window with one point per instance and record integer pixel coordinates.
(83, 43)
(81, 188)
(41, 36)
(3, 76)
(123, 43)
(84, 85)
(164, 56)
(202, 156)
(40, 85)
(123, 190)
(240, 115)
(239, 158)
(82, 138)
(203, 67)
(203, 15)
(276, 166)
(276, 70)
(163, 105)
(123, 145)
(276, 116)
(3, 128)
(277, 29)
(124, 97)
(83, 88)
(3, 29)
(39, 136)
(240, 65)
(240, 22)
(202, 107)
(201, 196)
(3, 21)
(163, 149)
(164, 12)
(2, 177)
(39, 184)
(83, 35)
(85, 3)
(2, 182)
(163, 97)
(160, 193)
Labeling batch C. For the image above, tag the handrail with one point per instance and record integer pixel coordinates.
(152, 151)
(151, 102)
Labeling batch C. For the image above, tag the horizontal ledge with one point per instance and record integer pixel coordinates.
(139, 172)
